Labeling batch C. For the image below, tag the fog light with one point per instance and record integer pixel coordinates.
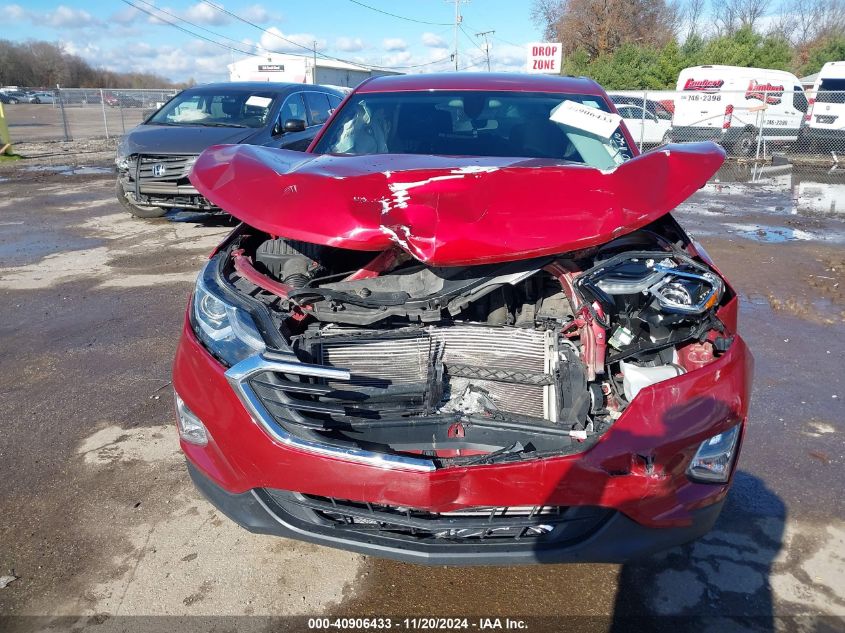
(190, 428)
(714, 458)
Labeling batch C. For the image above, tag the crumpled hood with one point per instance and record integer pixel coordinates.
(189, 139)
(448, 211)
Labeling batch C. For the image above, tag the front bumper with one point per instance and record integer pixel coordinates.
(636, 470)
(616, 539)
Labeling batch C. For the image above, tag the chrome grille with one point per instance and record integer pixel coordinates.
(169, 168)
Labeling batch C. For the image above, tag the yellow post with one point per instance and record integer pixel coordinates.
(5, 139)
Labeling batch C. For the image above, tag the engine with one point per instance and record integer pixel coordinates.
(507, 359)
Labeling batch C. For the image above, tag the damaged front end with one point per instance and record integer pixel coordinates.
(407, 340)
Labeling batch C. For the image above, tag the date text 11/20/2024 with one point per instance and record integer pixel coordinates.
(418, 624)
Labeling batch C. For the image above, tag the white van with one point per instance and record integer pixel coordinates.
(730, 104)
(826, 117)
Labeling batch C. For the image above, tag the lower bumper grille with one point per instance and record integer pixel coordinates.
(488, 525)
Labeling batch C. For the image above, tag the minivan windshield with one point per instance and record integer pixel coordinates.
(216, 109)
(831, 90)
(475, 123)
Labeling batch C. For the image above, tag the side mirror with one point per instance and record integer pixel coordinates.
(294, 125)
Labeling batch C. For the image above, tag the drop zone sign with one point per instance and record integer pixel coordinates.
(545, 57)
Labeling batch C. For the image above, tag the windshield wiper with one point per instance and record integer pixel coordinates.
(219, 125)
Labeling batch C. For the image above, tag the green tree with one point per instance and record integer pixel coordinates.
(826, 49)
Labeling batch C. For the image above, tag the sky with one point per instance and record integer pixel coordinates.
(114, 35)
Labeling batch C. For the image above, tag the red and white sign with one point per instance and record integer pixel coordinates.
(767, 92)
(545, 57)
(704, 85)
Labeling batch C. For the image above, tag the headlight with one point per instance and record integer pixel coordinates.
(714, 459)
(121, 162)
(226, 330)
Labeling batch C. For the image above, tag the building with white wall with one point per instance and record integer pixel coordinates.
(301, 69)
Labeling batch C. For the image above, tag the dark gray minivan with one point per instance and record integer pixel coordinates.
(154, 159)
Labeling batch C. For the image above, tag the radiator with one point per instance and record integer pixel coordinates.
(513, 366)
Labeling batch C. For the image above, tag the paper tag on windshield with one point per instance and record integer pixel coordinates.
(261, 102)
(585, 118)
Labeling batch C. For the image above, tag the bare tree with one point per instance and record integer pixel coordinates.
(731, 15)
(691, 16)
(805, 21)
(545, 14)
(602, 26)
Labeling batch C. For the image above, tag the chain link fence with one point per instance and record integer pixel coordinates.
(79, 113)
(754, 124)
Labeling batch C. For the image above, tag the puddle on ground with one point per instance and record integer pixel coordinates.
(25, 247)
(783, 189)
(774, 234)
(69, 170)
(769, 204)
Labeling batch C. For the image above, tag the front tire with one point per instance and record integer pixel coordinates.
(746, 144)
(136, 210)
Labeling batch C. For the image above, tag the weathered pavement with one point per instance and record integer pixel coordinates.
(98, 516)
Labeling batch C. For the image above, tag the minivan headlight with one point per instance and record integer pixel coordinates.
(226, 330)
(714, 458)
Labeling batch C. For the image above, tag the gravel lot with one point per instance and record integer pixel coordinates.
(98, 518)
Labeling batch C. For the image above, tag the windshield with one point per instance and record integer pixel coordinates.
(831, 91)
(474, 123)
(213, 109)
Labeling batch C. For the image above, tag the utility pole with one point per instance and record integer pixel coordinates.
(484, 34)
(458, 19)
(314, 68)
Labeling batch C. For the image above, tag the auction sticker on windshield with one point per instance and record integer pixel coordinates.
(260, 102)
(585, 118)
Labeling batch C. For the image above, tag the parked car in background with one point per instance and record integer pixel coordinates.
(16, 96)
(825, 128)
(732, 104)
(154, 159)
(122, 100)
(41, 97)
(6, 99)
(463, 328)
(648, 121)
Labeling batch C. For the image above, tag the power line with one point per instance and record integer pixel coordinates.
(193, 24)
(458, 19)
(238, 44)
(484, 34)
(184, 30)
(469, 38)
(400, 17)
(308, 48)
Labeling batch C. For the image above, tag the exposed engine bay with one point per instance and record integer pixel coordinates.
(476, 364)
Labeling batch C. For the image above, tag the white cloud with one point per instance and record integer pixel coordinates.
(394, 44)
(274, 40)
(349, 44)
(12, 12)
(202, 13)
(125, 16)
(66, 18)
(433, 41)
(88, 51)
(256, 13)
(400, 58)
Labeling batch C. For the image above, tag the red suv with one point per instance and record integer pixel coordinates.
(463, 328)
